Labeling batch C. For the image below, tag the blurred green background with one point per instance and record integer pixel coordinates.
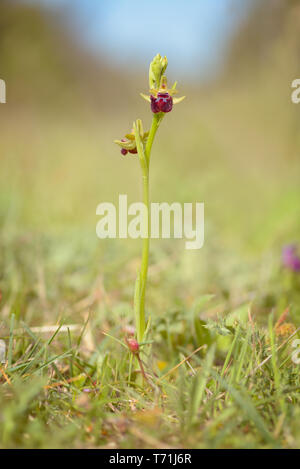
(233, 144)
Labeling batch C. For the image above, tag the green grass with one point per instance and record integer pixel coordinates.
(240, 390)
(76, 387)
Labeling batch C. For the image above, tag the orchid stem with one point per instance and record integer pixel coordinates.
(145, 162)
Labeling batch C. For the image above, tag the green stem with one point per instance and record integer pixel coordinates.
(157, 118)
(145, 257)
(145, 161)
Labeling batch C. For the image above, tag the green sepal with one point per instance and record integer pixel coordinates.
(178, 100)
(145, 97)
(129, 145)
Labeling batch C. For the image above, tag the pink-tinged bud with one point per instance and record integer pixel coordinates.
(133, 345)
(123, 151)
(129, 330)
(163, 103)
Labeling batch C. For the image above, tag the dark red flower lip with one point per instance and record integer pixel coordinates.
(162, 103)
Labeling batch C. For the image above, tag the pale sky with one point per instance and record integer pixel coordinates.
(192, 33)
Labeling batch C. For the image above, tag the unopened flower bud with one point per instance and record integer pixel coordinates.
(157, 69)
(133, 345)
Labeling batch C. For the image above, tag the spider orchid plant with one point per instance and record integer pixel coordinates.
(139, 143)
